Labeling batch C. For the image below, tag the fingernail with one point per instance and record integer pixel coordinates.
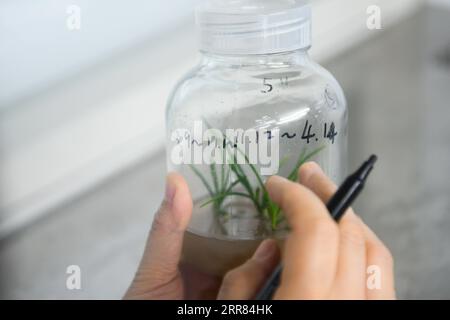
(308, 170)
(170, 191)
(276, 180)
(265, 250)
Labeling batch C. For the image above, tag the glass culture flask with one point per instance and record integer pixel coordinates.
(256, 105)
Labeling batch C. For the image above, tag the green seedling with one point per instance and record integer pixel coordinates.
(223, 186)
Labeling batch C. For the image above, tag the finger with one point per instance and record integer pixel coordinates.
(311, 249)
(299, 204)
(244, 282)
(378, 257)
(350, 280)
(163, 250)
(380, 283)
(311, 176)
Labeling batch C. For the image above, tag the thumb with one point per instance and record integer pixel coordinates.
(159, 263)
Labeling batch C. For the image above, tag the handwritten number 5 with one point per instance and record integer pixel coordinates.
(268, 86)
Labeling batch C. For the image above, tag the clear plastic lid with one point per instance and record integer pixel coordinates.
(253, 26)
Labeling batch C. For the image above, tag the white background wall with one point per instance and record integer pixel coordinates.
(37, 49)
(103, 109)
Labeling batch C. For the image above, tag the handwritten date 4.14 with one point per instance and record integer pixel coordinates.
(329, 132)
(310, 135)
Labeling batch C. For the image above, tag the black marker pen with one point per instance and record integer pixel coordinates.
(338, 204)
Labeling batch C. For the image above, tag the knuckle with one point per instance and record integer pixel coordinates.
(324, 228)
(164, 222)
(159, 222)
(353, 233)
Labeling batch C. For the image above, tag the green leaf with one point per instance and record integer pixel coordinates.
(222, 178)
(222, 196)
(232, 185)
(283, 162)
(241, 177)
(259, 195)
(212, 168)
(303, 159)
(203, 179)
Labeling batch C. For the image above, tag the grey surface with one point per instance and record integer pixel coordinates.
(398, 88)
(103, 232)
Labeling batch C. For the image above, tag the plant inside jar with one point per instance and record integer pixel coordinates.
(232, 180)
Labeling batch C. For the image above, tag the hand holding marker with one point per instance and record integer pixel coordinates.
(323, 260)
(338, 204)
